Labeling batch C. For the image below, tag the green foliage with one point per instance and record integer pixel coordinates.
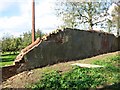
(82, 78)
(27, 39)
(10, 44)
(75, 13)
(76, 79)
(14, 44)
(110, 61)
(111, 69)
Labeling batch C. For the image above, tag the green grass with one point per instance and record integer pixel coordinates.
(82, 78)
(111, 69)
(7, 59)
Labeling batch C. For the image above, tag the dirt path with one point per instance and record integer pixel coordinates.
(32, 76)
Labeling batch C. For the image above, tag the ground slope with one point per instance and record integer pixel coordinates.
(32, 76)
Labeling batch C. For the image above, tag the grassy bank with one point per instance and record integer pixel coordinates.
(77, 78)
(64, 75)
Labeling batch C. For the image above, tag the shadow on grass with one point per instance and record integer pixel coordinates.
(8, 57)
(9, 54)
(115, 86)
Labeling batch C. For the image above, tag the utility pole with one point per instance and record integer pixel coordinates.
(33, 21)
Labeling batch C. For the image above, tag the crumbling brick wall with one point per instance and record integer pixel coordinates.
(69, 44)
(61, 46)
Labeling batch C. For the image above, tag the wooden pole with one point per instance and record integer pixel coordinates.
(33, 21)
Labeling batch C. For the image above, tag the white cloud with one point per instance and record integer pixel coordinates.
(16, 25)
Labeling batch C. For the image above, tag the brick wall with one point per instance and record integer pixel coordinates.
(61, 46)
(69, 44)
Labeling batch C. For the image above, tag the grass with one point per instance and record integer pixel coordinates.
(60, 72)
(111, 69)
(77, 78)
(7, 59)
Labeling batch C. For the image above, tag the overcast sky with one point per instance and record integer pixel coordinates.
(15, 16)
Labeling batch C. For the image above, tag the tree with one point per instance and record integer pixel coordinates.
(75, 13)
(10, 44)
(6, 42)
(114, 12)
(39, 33)
(14, 44)
(26, 38)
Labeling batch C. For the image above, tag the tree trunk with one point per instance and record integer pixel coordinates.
(90, 16)
(90, 24)
(109, 26)
(118, 25)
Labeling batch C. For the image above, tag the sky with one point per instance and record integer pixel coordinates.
(16, 17)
